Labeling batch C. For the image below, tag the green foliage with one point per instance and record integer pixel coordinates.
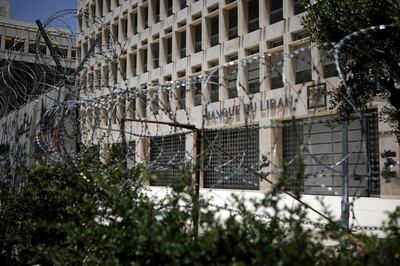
(369, 60)
(102, 216)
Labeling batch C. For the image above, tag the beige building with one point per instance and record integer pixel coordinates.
(28, 91)
(241, 71)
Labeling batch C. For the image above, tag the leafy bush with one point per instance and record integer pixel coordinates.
(103, 216)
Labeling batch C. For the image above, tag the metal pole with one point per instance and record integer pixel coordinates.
(345, 211)
(46, 39)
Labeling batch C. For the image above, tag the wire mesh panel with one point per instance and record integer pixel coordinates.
(292, 143)
(220, 170)
(373, 153)
(167, 153)
(323, 155)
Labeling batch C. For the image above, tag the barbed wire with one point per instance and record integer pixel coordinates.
(73, 110)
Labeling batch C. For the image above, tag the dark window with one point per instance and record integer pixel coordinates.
(214, 87)
(220, 170)
(169, 50)
(231, 78)
(144, 60)
(145, 15)
(298, 8)
(275, 67)
(276, 11)
(156, 9)
(132, 107)
(232, 24)
(124, 25)
(214, 40)
(329, 65)
(253, 75)
(253, 12)
(182, 44)
(155, 53)
(303, 66)
(154, 102)
(169, 7)
(166, 155)
(182, 4)
(197, 38)
(197, 94)
(134, 23)
(132, 60)
(143, 102)
(182, 97)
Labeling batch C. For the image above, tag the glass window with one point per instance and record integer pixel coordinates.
(214, 38)
(302, 65)
(276, 11)
(197, 38)
(329, 64)
(275, 68)
(182, 44)
(253, 76)
(253, 12)
(232, 24)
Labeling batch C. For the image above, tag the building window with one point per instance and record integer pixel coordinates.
(154, 102)
(166, 154)
(100, 7)
(143, 101)
(253, 15)
(132, 107)
(133, 18)
(323, 150)
(168, 49)
(181, 97)
(197, 38)
(115, 31)
(108, 4)
(301, 35)
(182, 4)
(106, 75)
(329, 64)
(122, 67)
(275, 43)
(144, 60)
(124, 25)
(253, 77)
(168, 6)
(214, 31)
(155, 51)
(232, 23)
(114, 72)
(231, 77)
(166, 101)
(297, 7)
(197, 93)
(133, 66)
(220, 170)
(145, 16)
(213, 86)
(182, 44)
(302, 66)
(156, 10)
(275, 69)
(276, 11)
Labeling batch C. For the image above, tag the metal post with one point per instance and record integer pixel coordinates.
(345, 211)
(196, 207)
(46, 39)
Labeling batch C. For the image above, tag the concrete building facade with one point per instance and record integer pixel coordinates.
(245, 72)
